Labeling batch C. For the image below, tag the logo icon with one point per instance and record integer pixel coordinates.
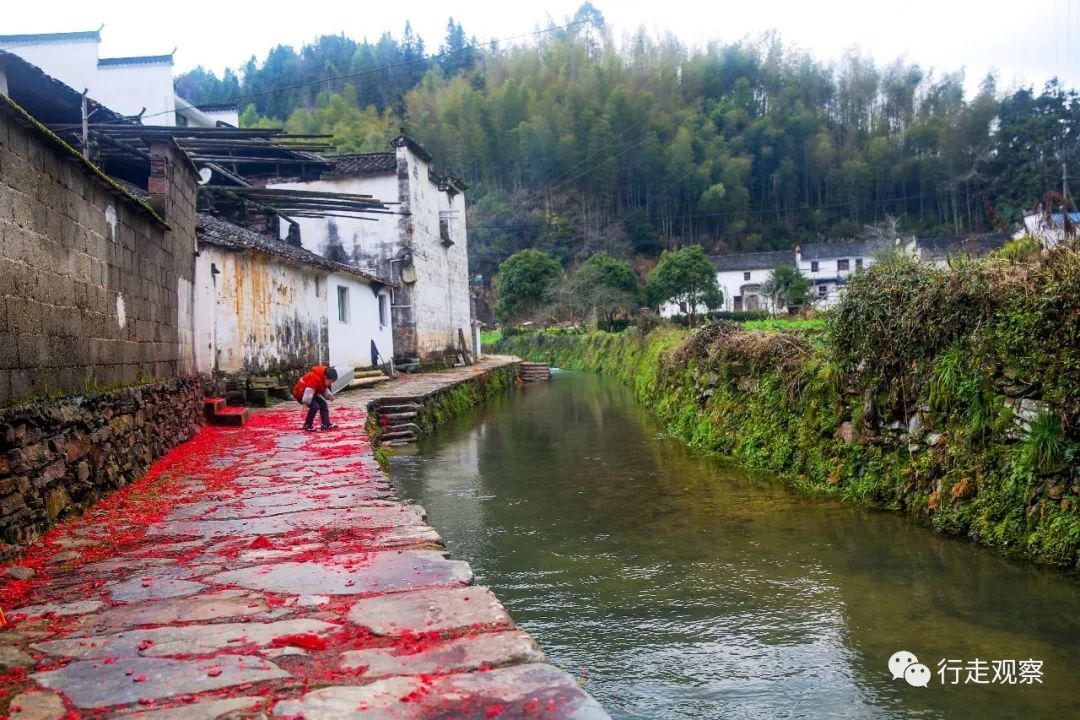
(904, 664)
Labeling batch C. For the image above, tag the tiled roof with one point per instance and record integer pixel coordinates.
(753, 261)
(222, 233)
(827, 251)
(364, 163)
(217, 107)
(939, 247)
(94, 35)
(136, 60)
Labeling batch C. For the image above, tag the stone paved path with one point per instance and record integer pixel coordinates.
(265, 572)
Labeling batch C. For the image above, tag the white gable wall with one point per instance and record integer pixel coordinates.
(440, 298)
(72, 62)
(374, 242)
(125, 89)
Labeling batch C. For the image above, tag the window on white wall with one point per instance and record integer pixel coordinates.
(343, 304)
(813, 266)
(384, 310)
(746, 276)
(844, 264)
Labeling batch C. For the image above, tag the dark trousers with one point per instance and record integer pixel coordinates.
(318, 405)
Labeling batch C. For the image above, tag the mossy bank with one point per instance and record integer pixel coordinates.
(952, 395)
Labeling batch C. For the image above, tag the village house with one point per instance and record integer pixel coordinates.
(827, 265)
(422, 245)
(1050, 231)
(263, 305)
(132, 86)
(741, 275)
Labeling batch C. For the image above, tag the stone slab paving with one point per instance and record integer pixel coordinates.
(264, 572)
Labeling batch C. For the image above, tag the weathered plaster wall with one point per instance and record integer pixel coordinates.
(350, 340)
(90, 281)
(57, 457)
(257, 314)
(440, 296)
(367, 244)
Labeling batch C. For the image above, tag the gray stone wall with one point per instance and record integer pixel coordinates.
(90, 280)
(58, 456)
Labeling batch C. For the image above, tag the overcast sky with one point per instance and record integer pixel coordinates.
(1023, 42)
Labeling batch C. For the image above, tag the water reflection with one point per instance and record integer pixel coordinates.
(686, 588)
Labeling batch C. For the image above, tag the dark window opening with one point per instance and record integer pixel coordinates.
(844, 264)
(746, 276)
(814, 266)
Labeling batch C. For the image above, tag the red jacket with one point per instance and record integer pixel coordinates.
(316, 380)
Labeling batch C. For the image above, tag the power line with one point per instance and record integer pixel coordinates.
(385, 68)
(702, 216)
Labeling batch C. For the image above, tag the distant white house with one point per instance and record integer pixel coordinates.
(1050, 231)
(134, 85)
(828, 265)
(421, 244)
(741, 275)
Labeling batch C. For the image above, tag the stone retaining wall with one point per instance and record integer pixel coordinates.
(57, 457)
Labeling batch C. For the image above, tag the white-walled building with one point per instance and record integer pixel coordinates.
(421, 245)
(360, 334)
(131, 86)
(263, 305)
(1050, 231)
(741, 275)
(827, 266)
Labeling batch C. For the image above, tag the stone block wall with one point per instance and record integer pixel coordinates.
(91, 280)
(58, 456)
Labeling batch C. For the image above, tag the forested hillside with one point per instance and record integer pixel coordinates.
(574, 141)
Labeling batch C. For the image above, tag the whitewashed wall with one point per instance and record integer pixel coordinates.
(826, 274)
(372, 242)
(125, 89)
(441, 293)
(350, 339)
(73, 63)
(257, 314)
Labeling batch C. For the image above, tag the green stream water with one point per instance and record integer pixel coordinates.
(679, 586)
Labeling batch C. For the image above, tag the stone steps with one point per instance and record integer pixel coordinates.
(534, 372)
(397, 417)
(218, 412)
(230, 416)
(212, 405)
(399, 408)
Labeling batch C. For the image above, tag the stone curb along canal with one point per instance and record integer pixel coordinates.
(261, 571)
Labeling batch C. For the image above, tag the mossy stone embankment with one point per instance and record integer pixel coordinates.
(950, 394)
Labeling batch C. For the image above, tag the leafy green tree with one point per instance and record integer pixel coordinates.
(686, 277)
(524, 283)
(787, 287)
(604, 285)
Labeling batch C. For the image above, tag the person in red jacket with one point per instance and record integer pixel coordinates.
(313, 390)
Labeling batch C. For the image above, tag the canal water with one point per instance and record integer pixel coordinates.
(675, 585)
